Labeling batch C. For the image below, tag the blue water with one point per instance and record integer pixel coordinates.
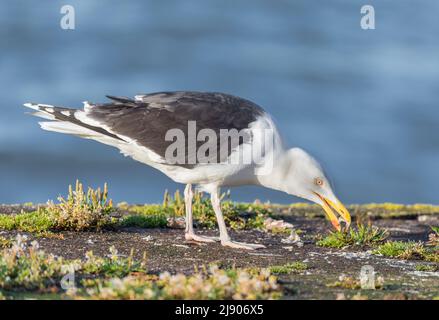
(365, 103)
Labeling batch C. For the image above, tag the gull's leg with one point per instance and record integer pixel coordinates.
(224, 236)
(189, 232)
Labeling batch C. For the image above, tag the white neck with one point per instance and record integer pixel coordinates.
(276, 177)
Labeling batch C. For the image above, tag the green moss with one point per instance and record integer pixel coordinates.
(144, 221)
(362, 235)
(408, 251)
(426, 267)
(288, 268)
(7, 222)
(150, 210)
(28, 204)
(238, 216)
(37, 221)
(373, 210)
(394, 210)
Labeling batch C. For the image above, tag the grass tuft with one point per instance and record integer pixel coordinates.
(426, 267)
(363, 235)
(409, 250)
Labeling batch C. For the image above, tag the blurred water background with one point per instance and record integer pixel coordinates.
(365, 103)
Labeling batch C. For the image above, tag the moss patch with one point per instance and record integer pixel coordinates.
(426, 267)
(238, 216)
(144, 221)
(38, 221)
(372, 210)
(293, 267)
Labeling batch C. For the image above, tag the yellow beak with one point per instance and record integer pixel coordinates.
(328, 205)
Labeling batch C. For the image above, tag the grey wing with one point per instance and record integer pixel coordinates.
(147, 118)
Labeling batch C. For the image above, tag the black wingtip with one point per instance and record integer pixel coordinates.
(120, 99)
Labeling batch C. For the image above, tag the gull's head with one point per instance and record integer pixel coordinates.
(304, 177)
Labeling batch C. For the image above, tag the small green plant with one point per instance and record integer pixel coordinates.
(433, 238)
(114, 266)
(363, 235)
(4, 242)
(288, 268)
(407, 250)
(82, 210)
(426, 267)
(399, 249)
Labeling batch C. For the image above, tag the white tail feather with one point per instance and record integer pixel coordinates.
(71, 128)
(67, 127)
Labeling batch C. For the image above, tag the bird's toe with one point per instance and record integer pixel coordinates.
(242, 245)
(197, 238)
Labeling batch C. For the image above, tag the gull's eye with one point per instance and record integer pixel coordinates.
(318, 181)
